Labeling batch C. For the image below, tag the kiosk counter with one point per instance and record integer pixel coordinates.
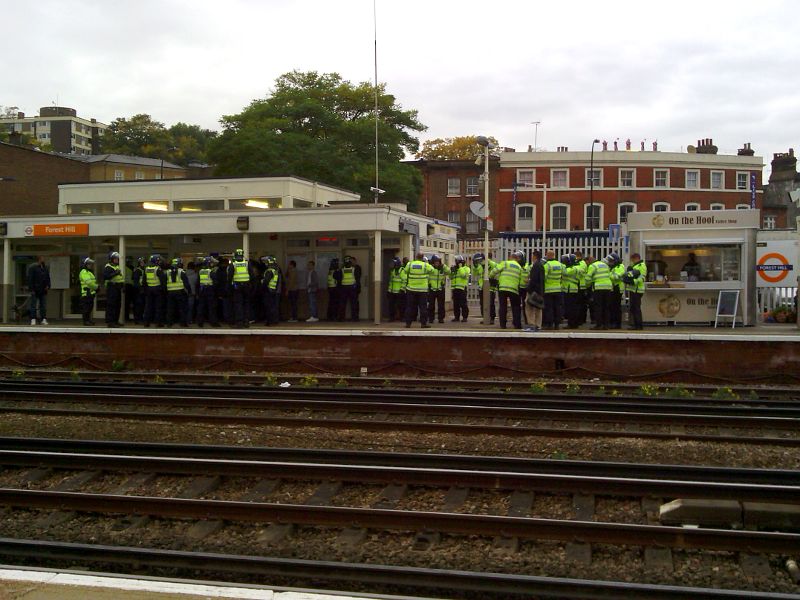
(691, 257)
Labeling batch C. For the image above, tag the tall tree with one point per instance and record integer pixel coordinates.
(322, 127)
(142, 136)
(456, 148)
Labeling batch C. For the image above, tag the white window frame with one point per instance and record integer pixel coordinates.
(746, 180)
(619, 210)
(587, 174)
(742, 207)
(525, 185)
(770, 222)
(119, 175)
(633, 178)
(450, 213)
(450, 193)
(665, 205)
(717, 206)
(138, 175)
(655, 178)
(692, 206)
(472, 223)
(477, 191)
(721, 175)
(517, 220)
(696, 186)
(586, 219)
(553, 178)
(567, 222)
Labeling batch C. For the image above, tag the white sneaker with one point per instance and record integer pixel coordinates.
(33, 321)
(44, 322)
(312, 320)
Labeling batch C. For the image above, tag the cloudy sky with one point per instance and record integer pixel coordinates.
(672, 72)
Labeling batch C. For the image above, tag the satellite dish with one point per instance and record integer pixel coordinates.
(478, 209)
(691, 149)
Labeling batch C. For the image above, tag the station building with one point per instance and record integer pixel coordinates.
(286, 217)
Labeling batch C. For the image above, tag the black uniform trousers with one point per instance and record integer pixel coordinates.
(601, 303)
(177, 308)
(130, 301)
(572, 307)
(333, 304)
(417, 301)
(516, 317)
(460, 308)
(397, 308)
(87, 305)
(207, 306)
(348, 295)
(153, 306)
(492, 312)
(636, 309)
(241, 304)
(436, 305)
(113, 302)
(270, 301)
(615, 309)
(138, 305)
(551, 314)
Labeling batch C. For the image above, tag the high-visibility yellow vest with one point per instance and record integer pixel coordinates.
(599, 275)
(509, 274)
(526, 276)
(240, 272)
(151, 276)
(616, 276)
(331, 279)
(582, 268)
(177, 285)
(396, 280)
(117, 277)
(88, 282)
(640, 269)
(416, 275)
(204, 276)
(128, 275)
(569, 280)
(436, 278)
(553, 270)
(348, 275)
(273, 282)
(460, 277)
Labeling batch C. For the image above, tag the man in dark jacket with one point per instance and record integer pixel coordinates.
(38, 277)
(534, 302)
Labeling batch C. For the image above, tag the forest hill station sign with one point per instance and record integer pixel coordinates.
(57, 229)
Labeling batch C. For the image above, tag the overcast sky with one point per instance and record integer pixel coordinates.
(672, 72)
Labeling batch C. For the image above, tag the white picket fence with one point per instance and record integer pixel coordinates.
(770, 298)
(598, 245)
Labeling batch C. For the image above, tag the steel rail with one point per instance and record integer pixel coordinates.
(416, 427)
(400, 520)
(378, 474)
(444, 583)
(411, 460)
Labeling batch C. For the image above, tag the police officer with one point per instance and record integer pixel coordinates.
(553, 299)
(177, 294)
(571, 290)
(523, 285)
(459, 280)
(88, 289)
(334, 280)
(348, 290)
(437, 280)
(206, 294)
(130, 290)
(416, 274)
(509, 274)
(155, 285)
(599, 275)
(615, 299)
(396, 292)
(138, 290)
(239, 280)
(634, 279)
(271, 289)
(114, 279)
(477, 274)
(584, 294)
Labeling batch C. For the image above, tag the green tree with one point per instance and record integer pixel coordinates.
(321, 127)
(138, 136)
(191, 142)
(456, 148)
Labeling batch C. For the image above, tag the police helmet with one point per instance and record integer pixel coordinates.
(609, 259)
(425, 259)
(334, 263)
(460, 259)
(140, 261)
(87, 262)
(615, 257)
(208, 261)
(396, 262)
(113, 255)
(566, 260)
(238, 254)
(348, 260)
(155, 259)
(477, 257)
(177, 262)
(435, 257)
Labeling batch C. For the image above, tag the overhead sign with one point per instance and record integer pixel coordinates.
(57, 229)
(776, 263)
(694, 219)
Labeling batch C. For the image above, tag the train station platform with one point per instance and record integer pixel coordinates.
(28, 584)
(762, 354)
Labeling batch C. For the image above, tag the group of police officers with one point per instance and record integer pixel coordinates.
(545, 290)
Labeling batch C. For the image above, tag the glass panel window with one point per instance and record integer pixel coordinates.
(717, 180)
(138, 175)
(453, 216)
(524, 177)
(692, 206)
(119, 175)
(660, 207)
(473, 223)
(711, 262)
(524, 218)
(592, 217)
(626, 178)
(100, 208)
(692, 180)
(741, 181)
(255, 203)
(592, 175)
(453, 186)
(770, 222)
(560, 178)
(198, 205)
(717, 206)
(558, 217)
(624, 211)
(661, 178)
(472, 186)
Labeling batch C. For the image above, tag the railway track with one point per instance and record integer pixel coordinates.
(76, 458)
(756, 421)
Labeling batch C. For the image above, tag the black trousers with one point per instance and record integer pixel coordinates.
(131, 293)
(551, 315)
(270, 299)
(636, 309)
(241, 304)
(417, 301)
(436, 305)
(396, 305)
(583, 302)
(207, 306)
(615, 309)
(87, 305)
(138, 305)
(492, 312)
(460, 308)
(349, 295)
(113, 302)
(571, 309)
(601, 302)
(333, 304)
(153, 306)
(177, 308)
(516, 317)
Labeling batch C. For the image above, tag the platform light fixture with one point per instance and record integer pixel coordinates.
(252, 203)
(160, 206)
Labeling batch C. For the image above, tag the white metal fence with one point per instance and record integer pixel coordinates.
(597, 245)
(772, 297)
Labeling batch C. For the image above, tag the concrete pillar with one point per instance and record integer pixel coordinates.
(376, 278)
(6, 279)
(122, 264)
(246, 244)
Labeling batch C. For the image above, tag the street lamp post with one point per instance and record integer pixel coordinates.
(171, 149)
(487, 145)
(591, 188)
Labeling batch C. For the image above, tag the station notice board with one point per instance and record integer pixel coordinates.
(727, 306)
